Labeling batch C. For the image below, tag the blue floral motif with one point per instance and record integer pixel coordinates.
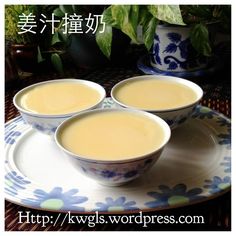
(43, 128)
(10, 138)
(176, 120)
(169, 122)
(182, 120)
(203, 113)
(119, 204)
(113, 175)
(217, 184)
(56, 199)
(223, 122)
(226, 164)
(156, 51)
(174, 37)
(130, 174)
(186, 50)
(174, 62)
(171, 48)
(172, 65)
(14, 183)
(156, 37)
(108, 174)
(225, 139)
(173, 196)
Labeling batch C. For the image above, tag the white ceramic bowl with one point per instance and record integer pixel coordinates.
(174, 116)
(47, 124)
(114, 172)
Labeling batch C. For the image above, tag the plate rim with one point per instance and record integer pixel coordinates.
(147, 209)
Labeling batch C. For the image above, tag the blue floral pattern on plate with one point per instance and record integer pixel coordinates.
(56, 199)
(22, 190)
(225, 138)
(203, 113)
(217, 184)
(179, 194)
(223, 122)
(227, 164)
(10, 137)
(14, 183)
(118, 204)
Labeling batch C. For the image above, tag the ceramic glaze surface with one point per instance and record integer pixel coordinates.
(154, 94)
(59, 98)
(195, 166)
(116, 135)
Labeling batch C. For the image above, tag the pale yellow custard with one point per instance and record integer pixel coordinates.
(111, 135)
(59, 98)
(154, 94)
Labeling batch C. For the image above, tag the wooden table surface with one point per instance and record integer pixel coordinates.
(217, 212)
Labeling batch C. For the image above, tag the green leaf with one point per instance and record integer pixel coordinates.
(149, 28)
(149, 24)
(66, 9)
(55, 38)
(104, 40)
(107, 17)
(125, 18)
(167, 13)
(62, 37)
(143, 14)
(134, 15)
(39, 55)
(57, 63)
(199, 37)
(120, 13)
(57, 12)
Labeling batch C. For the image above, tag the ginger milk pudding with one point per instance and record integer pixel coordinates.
(154, 94)
(59, 98)
(44, 106)
(112, 135)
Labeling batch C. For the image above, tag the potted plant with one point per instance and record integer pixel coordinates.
(22, 47)
(177, 37)
(31, 48)
(82, 47)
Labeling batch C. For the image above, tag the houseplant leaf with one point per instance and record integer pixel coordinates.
(66, 9)
(125, 18)
(57, 63)
(167, 13)
(55, 38)
(39, 55)
(148, 23)
(107, 17)
(104, 40)
(149, 28)
(57, 12)
(200, 39)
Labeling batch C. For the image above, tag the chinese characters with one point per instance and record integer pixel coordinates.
(70, 23)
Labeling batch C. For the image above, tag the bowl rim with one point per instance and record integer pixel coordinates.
(157, 119)
(92, 84)
(196, 88)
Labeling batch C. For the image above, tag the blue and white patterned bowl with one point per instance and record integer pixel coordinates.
(175, 116)
(114, 172)
(47, 124)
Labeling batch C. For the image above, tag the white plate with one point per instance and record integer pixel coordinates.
(195, 166)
